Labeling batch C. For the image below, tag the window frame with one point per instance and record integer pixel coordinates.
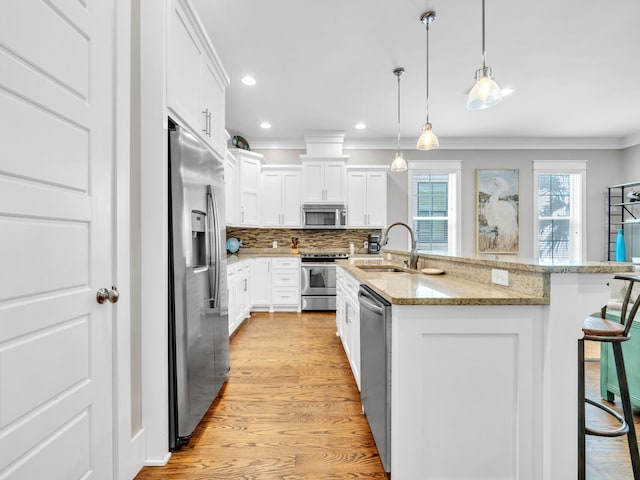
(578, 221)
(452, 168)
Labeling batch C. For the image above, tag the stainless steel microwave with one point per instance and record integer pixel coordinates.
(324, 215)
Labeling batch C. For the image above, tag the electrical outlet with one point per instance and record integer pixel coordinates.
(500, 277)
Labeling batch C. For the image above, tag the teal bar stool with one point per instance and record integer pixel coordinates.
(598, 329)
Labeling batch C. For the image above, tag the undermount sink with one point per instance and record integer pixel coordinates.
(381, 268)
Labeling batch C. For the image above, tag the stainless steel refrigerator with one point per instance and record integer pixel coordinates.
(198, 305)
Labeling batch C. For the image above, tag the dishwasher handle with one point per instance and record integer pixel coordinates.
(367, 301)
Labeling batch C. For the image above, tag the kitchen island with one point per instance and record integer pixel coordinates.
(483, 376)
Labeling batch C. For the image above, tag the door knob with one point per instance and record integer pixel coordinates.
(103, 295)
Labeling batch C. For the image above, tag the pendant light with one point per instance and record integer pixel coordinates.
(399, 164)
(485, 93)
(428, 139)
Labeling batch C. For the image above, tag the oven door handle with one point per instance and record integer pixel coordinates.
(320, 264)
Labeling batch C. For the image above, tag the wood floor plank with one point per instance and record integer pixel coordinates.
(289, 411)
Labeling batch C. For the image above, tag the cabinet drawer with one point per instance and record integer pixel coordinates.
(285, 263)
(285, 296)
(286, 278)
(351, 285)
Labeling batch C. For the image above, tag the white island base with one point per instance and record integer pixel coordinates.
(490, 391)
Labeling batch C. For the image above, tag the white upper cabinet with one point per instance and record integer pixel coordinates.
(324, 180)
(248, 196)
(213, 107)
(230, 189)
(280, 196)
(367, 197)
(196, 81)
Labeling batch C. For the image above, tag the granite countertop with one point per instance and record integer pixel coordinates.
(239, 257)
(248, 253)
(409, 288)
(533, 265)
(529, 279)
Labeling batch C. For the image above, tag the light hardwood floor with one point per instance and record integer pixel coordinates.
(291, 411)
(607, 458)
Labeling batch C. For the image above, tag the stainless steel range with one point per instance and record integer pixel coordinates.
(318, 279)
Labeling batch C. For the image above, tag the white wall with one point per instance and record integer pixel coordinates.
(604, 167)
(631, 164)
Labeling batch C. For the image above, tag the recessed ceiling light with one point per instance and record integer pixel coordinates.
(265, 125)
(360, 126)
(248, 80)
(507, 91)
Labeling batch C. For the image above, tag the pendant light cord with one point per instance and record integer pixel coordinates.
(484, 51)
(427, 27)
(399, 112)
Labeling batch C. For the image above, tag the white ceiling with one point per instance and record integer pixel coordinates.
(327, 64)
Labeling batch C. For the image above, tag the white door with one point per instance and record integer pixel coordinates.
(230, 189)
(313, 182)
(249, 191)
(377, 199)
(271, 199)
(183, 70)
(56, 132)
(334, 181)
(261, 282)
(357, 199)
(291, 199)
(213, 105)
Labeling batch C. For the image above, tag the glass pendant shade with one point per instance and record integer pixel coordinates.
(428, 139)
(399, 164)
(485, 93)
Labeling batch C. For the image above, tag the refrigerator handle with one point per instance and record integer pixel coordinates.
(214, 239)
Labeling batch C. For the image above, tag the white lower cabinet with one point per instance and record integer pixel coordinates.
(348, 319)
(239, 285)
(261, 283)
(285, 283)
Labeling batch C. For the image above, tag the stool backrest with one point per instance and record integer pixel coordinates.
(627, 319)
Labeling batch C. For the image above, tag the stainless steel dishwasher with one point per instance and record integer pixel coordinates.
(375, 366)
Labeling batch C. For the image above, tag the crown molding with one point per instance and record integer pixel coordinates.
(631, 140)
(470, 143)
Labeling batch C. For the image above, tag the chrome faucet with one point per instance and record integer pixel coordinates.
(413, 256)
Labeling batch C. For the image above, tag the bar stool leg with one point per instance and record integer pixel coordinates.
(581, 414)
(627, 409)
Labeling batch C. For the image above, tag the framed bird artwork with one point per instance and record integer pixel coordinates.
(497, 211)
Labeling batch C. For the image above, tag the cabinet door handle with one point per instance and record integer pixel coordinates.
(209, 124)
(205, 112)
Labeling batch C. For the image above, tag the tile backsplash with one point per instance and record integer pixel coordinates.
(309, 239)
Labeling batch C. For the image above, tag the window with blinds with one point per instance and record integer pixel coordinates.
(559, 225)
(430, 212)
